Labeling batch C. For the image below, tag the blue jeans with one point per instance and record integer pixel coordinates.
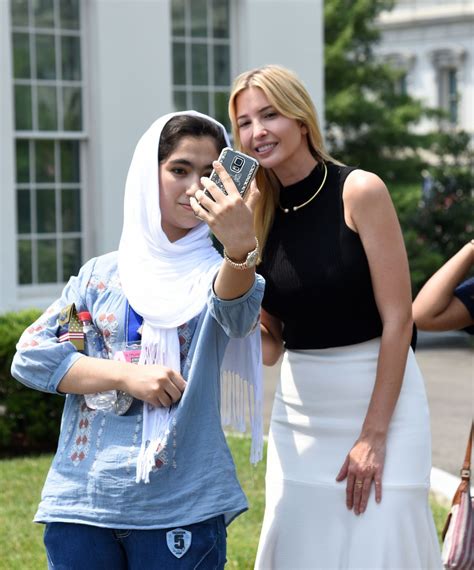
(200, 546)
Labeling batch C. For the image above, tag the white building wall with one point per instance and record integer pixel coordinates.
(416, 29)
(289, 33)
(129, 69)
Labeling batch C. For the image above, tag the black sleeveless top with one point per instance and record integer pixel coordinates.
(317, 274)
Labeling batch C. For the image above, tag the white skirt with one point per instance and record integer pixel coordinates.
(320, 405)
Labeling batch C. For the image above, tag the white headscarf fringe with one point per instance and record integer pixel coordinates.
(242, 397)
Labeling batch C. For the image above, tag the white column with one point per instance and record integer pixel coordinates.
(8, 258)
(130, 84)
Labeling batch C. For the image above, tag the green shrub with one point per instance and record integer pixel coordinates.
(29, 419)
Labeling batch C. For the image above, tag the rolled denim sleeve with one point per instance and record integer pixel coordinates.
(40, 361)
(238, 317)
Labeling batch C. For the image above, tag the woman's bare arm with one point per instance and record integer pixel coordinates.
(272, 343)
(370, 212)
(435, 307)
(155, 384)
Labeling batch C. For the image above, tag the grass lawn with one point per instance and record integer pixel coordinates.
(21, 541)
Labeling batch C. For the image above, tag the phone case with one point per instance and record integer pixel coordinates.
(241, 167)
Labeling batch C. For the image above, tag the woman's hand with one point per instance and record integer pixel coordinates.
(153, 383)
(363, 465)
(230, 217)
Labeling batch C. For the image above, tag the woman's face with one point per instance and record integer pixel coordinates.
(191, 159)
(276, 141)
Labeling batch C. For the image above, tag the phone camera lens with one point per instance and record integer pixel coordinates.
(237, 164)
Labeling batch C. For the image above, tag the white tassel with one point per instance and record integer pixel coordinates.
(156, 421)
(240, 400)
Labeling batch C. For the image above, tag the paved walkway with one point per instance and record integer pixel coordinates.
(447, 363)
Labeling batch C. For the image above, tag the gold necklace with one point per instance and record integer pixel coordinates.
(295, 208)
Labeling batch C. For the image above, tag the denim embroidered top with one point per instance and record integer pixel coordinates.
(92, 476)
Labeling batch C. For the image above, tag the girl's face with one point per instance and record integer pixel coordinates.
(276, 141)
(191, 159)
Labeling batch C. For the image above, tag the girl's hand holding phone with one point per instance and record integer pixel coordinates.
(229, 216)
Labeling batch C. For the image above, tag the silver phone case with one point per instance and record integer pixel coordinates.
(241, 168)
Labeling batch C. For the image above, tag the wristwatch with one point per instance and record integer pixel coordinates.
(250, 261)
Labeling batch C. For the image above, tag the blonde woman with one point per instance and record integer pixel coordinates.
(349, 449)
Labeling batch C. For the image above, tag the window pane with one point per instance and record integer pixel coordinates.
(199, 64)
(22, 161)
(24, 261)
(47, 110)
(70, 166)
(72, 108)
(43, 11)
(199, 18)
(179, 63)
(201, 102)
(19, 12)
(71, 210)
(45, 211)
(21, 56)
(23, 211)
(23, 121)
(177, 16)
(72, 255)
(180, 101)
(45, 57)
(69, 14)
(221, 101)
(47, 261)
(221, 65)
(221, 18)
(71, 57)
(45, 161)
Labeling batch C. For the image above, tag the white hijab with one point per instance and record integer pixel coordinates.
(167, 284)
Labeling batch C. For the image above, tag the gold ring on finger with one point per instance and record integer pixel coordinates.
(359, 484)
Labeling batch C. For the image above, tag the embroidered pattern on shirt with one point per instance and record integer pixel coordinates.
(82, 439)
(173, 433)
(185, 336)
(131, 452)
(98, 440)
(161, 457)
(70, 427)
(109, 327)
(101, 285)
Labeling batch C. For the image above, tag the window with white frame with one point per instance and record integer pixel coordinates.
(448, 93)
(403, 64)
(201, 56)
(47, 79)
(447, 63)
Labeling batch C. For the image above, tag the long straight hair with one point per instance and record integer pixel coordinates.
(287, 94)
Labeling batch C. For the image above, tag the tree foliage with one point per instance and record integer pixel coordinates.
(444, 219)
(369, 122)
(29, 420)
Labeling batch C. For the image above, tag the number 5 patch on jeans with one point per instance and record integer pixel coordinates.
(178, 541)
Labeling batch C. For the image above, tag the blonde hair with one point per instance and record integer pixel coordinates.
(287, 94)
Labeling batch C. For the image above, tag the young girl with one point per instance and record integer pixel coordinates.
(150, 482)
(350, 430)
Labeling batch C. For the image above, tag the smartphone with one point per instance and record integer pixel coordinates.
(241, 168)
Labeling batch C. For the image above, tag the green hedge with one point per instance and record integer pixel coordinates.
(29, 419)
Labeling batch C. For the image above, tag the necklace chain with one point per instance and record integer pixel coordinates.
(295, 208)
